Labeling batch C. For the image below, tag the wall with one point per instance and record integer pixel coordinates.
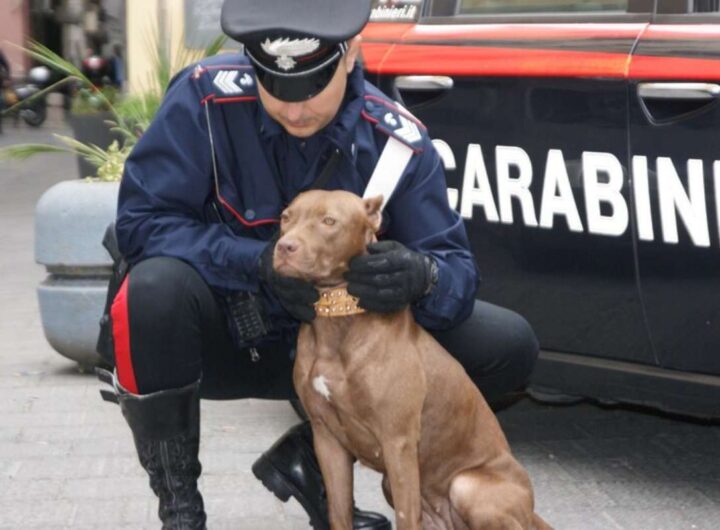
(142, 27)
(146, 18)
(14, 22)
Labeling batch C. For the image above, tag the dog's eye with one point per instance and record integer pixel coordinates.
(328, 221)
(284, 217)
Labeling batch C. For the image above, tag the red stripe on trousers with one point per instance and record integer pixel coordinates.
(121, 336)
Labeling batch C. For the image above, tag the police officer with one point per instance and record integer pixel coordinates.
(201, 312)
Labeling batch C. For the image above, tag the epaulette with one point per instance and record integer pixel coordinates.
(393, 120)
(225, 83)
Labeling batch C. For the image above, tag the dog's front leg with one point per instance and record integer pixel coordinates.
(403, 472)
(336, 465)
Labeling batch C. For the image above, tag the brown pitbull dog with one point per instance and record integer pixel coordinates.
(379, 388)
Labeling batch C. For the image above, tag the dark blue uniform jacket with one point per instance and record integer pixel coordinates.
(217, 213)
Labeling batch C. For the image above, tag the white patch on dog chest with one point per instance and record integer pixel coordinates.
(321, 387)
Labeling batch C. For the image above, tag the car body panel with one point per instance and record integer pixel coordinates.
(508, 50)
(540, 125)
(677, 52)
(676, 143)
(577, 290)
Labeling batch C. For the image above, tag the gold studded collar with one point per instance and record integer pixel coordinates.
(337, 303)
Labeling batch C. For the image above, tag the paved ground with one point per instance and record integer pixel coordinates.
(66, 458)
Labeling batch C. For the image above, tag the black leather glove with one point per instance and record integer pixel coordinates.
(390, 277)
(295, 295)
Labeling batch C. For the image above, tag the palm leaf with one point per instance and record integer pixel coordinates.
(92, 153)
(40, 93)
(49, 58)
(215, 46)
(25, 151)
(132, 116)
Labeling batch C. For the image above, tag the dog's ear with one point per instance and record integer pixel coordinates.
(372, 209)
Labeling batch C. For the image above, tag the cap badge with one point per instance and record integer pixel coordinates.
(285, 49)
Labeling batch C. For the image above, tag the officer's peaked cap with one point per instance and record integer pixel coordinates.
(294, 45)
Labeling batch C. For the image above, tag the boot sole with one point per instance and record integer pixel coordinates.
(282, 488)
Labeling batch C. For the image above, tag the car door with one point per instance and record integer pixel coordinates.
(675, 148)
(527, 102)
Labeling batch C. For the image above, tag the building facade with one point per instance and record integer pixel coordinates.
(14, 28)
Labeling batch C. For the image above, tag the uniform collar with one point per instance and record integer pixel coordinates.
(342, 128)
(268, 126)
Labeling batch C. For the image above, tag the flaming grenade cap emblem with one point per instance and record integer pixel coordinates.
(285, 49)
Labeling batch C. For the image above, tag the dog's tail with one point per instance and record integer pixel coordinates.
(539, 523)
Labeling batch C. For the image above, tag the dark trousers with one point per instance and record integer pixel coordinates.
(170, 330)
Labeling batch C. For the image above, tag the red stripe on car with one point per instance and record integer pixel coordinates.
(506, 62)
(675, 68)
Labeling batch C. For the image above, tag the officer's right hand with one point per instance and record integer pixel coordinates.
(295, 295)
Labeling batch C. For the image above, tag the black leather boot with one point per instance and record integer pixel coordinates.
(290, 468)
(166, 429)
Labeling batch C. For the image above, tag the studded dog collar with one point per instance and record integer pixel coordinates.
(337, 303)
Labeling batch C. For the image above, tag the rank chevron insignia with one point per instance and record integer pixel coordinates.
(225, 81)
(408, 131)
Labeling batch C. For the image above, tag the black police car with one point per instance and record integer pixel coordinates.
(581, 140)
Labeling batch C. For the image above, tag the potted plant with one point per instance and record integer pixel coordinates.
(92, 115)
(72, 216)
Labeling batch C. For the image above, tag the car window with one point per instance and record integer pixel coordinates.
(492, 7)
(696, 6)
(693, 9)
(706, 6)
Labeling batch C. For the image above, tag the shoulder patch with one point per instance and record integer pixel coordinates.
(226, 83)
(232, 82)
(393, 120)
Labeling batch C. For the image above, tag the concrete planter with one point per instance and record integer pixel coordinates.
(70, 220)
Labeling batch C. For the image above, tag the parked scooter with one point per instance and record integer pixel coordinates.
(33, 110)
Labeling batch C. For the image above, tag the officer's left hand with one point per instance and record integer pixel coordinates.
(390, 277)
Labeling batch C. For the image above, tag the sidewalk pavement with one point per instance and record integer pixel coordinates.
(67, 460)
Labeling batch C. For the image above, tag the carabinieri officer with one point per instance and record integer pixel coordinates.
(201, 313)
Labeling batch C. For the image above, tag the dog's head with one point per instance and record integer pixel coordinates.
(321, 231)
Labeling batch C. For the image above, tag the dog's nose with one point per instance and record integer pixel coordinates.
(287, 246)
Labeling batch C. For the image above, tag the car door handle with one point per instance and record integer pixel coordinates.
(424, 82)
(694, 91)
